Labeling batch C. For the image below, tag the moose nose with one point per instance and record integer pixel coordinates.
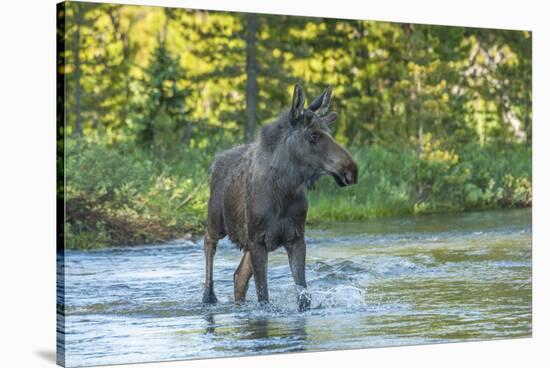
(351, 173)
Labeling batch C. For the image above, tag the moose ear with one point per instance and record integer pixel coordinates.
(331, 118)
(321, 103)
(298, 100)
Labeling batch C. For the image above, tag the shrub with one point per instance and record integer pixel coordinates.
(123, 195)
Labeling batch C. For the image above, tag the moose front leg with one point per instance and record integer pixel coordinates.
(297, 260)
(259, 269)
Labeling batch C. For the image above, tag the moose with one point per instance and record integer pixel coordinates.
(257, 193)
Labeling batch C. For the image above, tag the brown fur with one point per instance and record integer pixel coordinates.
(257, 193)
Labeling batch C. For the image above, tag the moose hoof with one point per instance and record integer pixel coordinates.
(304, 302)
(208, 297)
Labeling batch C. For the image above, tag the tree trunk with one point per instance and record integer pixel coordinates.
(251, 76)
(78, 88)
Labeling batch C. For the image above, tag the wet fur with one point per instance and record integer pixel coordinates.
(257, 194)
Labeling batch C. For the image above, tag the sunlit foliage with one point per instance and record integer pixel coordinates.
(434, 113)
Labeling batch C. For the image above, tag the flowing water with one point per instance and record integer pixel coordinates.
(413, 280)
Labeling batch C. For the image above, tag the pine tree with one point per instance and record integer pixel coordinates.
(161, 109)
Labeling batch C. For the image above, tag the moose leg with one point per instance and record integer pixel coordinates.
(242, 277)
(209, 251)
(297, 260)
(259, 268)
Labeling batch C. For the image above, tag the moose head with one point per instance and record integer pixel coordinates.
(311, 144)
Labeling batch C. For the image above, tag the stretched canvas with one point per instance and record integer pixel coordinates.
(235, 184)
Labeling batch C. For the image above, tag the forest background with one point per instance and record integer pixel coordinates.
(438, 118)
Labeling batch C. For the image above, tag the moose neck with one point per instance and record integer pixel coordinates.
(286, 173)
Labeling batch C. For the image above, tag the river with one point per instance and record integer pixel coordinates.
(386, 282)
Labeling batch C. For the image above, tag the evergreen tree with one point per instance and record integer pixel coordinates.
(160, 103)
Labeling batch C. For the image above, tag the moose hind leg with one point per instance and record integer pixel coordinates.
(210, 244)
(242, 276)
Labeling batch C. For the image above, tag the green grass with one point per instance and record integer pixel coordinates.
(396, 181)
(124, 196)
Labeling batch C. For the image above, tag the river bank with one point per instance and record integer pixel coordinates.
(124, 196)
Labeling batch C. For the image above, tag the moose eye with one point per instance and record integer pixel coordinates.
(314, 137)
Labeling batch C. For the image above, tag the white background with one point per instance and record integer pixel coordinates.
(27, 181)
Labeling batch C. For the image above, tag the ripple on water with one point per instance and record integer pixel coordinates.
(398, 282)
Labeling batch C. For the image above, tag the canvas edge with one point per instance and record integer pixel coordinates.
(60, 184)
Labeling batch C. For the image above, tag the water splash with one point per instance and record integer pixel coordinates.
(344, 297)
